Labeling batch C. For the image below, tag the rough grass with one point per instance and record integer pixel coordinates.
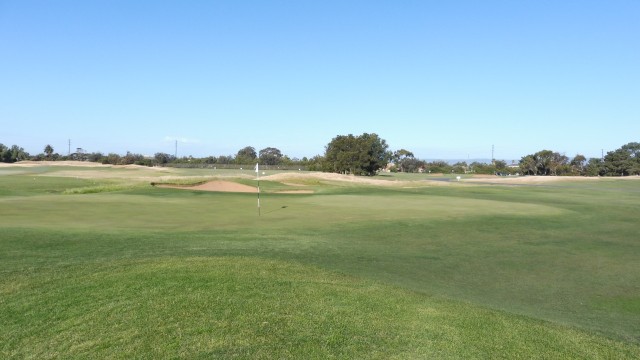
(352, 272)
(100, 189)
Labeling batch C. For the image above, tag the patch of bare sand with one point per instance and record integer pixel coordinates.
(332, 177)
(229, 186)
(29, 163)
(476, 179)
(217, 185)
(88, 164)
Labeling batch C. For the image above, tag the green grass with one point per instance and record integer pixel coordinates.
(254, 308)
(348, 272)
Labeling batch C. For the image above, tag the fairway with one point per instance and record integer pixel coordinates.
(98, 262)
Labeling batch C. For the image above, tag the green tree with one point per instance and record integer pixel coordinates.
(131, 158)
(500, 165)
(438, 166)
(459, 167)
(111, 158)
(48, 150)
(163, 158)
(340, 154)
(5, 155)
(13, 154)
(316, 163)
(246, 155)
(95, 157)
(361, 155)
(594, 167)
(624, 161)
(412, 165)
(544, 162)
(225, 159)
(578, 164)
(270, 156)
(528, 165)
(400, 158)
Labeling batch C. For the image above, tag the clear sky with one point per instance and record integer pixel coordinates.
(444, 79)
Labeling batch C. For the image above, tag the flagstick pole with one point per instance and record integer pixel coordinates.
(258, 175)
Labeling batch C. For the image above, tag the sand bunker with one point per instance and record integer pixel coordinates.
(29, 163)
(218, 185)
(228, 186)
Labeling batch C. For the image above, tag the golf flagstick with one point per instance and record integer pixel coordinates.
(258, 177)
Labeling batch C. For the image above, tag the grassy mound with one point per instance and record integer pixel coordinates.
(254, 308)
(354, 271)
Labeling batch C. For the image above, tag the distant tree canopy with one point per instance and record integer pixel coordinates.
(12, 154)
(163, 158)
(48, 150)
(365, 154)
(359, 155)
(270, 156)
(545, 162)
(624, 161)
(621, 162)
(246, 155)
(404, 160)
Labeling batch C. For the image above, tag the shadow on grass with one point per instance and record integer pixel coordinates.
(274, 210)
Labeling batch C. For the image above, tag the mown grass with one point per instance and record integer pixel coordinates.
(253, 308)
(349, 272)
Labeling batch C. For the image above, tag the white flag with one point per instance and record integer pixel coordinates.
(256, 167)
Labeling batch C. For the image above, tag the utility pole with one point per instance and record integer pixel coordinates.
(69, 151)
(493, 159)
(176, 154)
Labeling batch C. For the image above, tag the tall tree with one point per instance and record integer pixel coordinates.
(163, 158)
(528, 165)
(5, 154)
(544, 162)
(402, 159)
(13, 154)
(624, 161)
(361, 155)
(270, 156)
(48, 150)
(594, 167)
(246, 155)
(411, 165)
(577, 164)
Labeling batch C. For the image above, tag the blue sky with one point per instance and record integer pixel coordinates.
(444, 79)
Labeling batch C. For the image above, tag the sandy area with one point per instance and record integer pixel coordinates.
(53, 163)
(217, 185)
(89, 164)
(229, 186)
(287, 178)
(290, 178)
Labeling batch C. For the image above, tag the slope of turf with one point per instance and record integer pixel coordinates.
(241, 307)
(567, 255)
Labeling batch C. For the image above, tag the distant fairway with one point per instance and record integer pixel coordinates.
(96, 262)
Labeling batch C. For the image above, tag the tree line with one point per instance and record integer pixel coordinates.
(365, 154)
(245, 156)
(624, 161)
